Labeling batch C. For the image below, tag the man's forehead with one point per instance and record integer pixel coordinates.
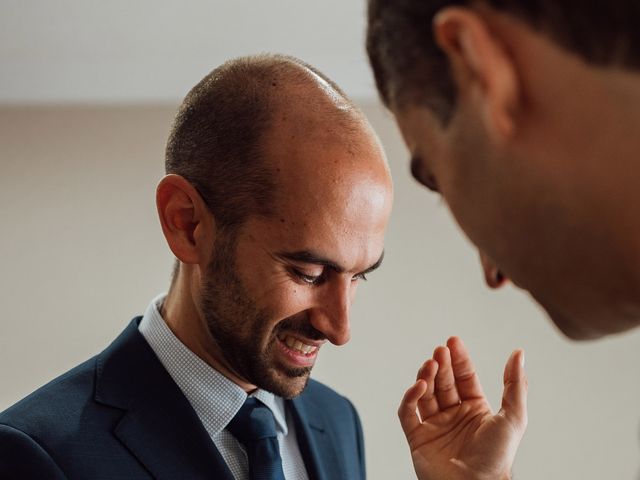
(317, 161)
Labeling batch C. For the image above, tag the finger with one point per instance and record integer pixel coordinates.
(464, 372)
(514, 398)
(445, 387)
(427, 403)
(407, 412)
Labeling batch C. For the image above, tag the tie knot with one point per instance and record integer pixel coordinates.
(254, 421)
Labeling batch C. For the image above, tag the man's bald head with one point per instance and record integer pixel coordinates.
(217, 140)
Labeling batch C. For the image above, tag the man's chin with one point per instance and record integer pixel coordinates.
(572, 326)
(290, 390)
(286, 384)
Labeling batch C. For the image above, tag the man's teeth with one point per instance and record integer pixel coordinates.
(297, 345)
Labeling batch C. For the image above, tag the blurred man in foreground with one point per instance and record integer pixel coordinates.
(524, 117)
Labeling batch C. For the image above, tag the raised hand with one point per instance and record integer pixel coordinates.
(451, 430)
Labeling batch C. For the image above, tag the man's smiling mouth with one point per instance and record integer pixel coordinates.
(298, 346)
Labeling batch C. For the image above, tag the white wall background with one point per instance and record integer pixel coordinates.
(81, 250)
(152, 50)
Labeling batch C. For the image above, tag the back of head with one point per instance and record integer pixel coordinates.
(403, 53)
(217, 139)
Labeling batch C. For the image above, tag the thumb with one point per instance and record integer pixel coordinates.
(514, 398)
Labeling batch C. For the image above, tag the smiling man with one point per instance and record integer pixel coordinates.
(524, 116)
(275, 206)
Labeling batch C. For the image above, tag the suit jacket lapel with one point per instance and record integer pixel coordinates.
(316, 446)
(159, 426)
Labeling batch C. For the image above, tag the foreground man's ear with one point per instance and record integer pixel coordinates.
(482, 69)
(186, 222)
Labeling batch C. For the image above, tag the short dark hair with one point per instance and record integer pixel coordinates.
(216, 139)
(409, 67)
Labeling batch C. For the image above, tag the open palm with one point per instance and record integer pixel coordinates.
(451, 430)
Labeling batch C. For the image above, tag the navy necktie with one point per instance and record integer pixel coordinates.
(255, 427)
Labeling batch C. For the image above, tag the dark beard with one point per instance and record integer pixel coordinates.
(238, 326)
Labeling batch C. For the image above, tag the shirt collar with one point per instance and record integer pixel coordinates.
(214, 397)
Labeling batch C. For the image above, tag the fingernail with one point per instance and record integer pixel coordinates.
(522, 359)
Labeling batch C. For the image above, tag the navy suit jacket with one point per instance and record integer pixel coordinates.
(121, 416)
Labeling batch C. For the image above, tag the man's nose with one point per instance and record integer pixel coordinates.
(331, 316)
(492, 274)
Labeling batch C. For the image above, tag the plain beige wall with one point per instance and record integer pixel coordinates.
(82, 253)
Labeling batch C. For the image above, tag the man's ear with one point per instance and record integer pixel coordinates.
(483, 71)
(186, 222)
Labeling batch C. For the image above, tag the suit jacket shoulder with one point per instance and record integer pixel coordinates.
(45, 421)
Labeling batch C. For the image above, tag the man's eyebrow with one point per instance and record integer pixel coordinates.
(306, 256)
(375, 266)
